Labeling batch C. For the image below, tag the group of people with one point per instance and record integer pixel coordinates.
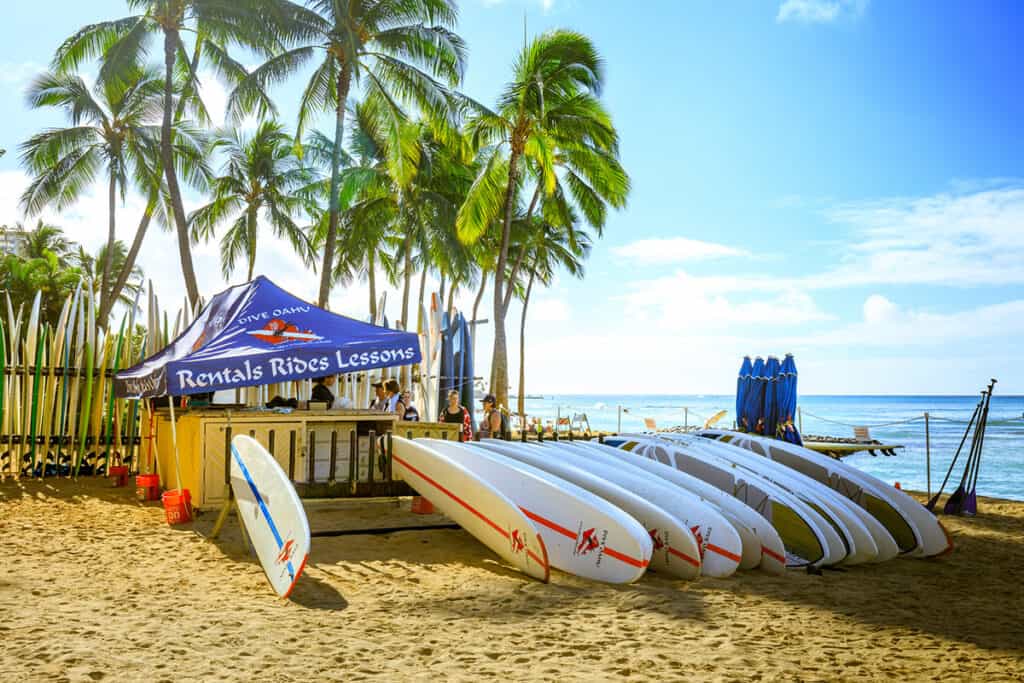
(389, 398)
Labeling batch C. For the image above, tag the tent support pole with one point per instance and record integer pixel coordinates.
(927, 456)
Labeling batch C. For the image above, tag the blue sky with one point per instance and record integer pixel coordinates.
(837, 178)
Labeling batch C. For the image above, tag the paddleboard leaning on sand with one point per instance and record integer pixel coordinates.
(585, 534)
(675, 550)
(272, 513)
(758, 535)
(474, 504)
(907, 520)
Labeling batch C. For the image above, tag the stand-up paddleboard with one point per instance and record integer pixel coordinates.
(848, 519)
(272, 513)
(769, 550)
(474, 504)
(721, 547)
(809, 539)
(590, 537)
(675, 550)
(914, 529)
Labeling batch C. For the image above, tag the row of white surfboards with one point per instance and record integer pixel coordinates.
(681, 505)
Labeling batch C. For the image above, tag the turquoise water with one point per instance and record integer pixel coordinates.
(1002, 462)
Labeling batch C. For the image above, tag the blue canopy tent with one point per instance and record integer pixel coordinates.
(742, 387)
(771, 407)
(786, 398)
(257, 333)
(754, 404)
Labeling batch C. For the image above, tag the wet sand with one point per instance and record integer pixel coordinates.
(96, 586)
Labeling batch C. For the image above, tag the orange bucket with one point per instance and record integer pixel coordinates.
(177, 506)
(147, 487)
(422, 506)
(119, 475)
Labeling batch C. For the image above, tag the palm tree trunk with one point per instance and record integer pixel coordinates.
(423, 286)
(154, 197)
(167, 158)
(251, 229)
(440, 290)
(407, 276)
(522, 355)
(451, 298)
(499, 359)
(476, 305)
(344, 80)
(105, 290)
(373, 285)
(514, 272)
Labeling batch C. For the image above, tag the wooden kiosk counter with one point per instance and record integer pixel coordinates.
(326, 453)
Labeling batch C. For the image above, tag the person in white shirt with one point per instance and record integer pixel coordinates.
(380, 400)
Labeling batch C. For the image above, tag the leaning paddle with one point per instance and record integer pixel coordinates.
(935, 498)
(954, 505)
(970, 505)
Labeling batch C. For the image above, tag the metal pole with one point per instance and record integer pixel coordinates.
(928, 455)
(686, 418)
(800, 418)
(619, 430)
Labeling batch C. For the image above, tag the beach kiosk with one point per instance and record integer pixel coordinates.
(258, 334)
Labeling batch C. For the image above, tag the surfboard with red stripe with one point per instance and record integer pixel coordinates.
(675, 551)
(585, 534)
(720, 544)
(474, 504)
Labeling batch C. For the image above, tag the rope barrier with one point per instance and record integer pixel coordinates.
(873, 426)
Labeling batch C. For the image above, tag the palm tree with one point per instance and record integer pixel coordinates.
(549, 124)
(261, 173)
(260, 25)
(85, 264)
(44, 238)
(547, 249)
(394, 48)
(110, 131)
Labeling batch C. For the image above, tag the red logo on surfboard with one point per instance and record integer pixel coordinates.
(700, 539)
(658, 543)
(278, 331)
(518, 544)
(587, 542)
(287, 550)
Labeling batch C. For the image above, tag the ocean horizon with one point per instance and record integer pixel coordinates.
(893, 419)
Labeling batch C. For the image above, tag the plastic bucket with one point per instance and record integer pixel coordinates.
(119, 475)
(147, 487)
(422, 506)
(177, 506)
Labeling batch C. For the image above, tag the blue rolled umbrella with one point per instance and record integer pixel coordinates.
(467, 369)
(742, 387)
(754, 403)
(787, 398)
(770, 407)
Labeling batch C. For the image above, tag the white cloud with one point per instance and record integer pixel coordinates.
(879, 310)
(819, 11)
(17, 73)
(674, 250)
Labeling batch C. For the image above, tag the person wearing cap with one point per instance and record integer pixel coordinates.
(456, 413)
(380, 401)
(494, 424)
(393, 393)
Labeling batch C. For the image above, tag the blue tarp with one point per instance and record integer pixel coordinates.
(771, 408)
(786, 395)
(256, 334)
(742, 387)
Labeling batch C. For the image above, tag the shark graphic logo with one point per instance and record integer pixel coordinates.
(700, 539)
(287, 550)
(278, 331)
(587, 542)
(518, 543)
(658, 543)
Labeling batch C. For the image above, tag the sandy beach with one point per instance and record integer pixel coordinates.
(96, 586)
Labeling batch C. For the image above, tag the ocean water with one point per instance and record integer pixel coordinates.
(1002, 461)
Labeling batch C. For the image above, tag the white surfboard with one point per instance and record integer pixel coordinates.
(852, 522)
(675, 549)
(472, 503)
(768, 546)
(272, 513)
(809, 539)
(589, 537)
(720, 544)
(917, 532)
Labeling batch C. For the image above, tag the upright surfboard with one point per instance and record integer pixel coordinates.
(473, 504)
(272, 513)
(589, 537)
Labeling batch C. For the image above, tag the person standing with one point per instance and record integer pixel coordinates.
(322, 390)
(456, 413)
(410, 413)
(393, 393)
(494, 425)
(379, 401)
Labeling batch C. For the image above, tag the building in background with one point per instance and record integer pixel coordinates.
(12, 240)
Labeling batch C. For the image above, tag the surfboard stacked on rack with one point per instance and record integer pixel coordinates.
(680, 505)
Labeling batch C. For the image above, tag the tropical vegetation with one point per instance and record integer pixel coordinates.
(411, 180)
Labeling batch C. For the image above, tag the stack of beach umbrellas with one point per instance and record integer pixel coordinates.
(766, 397)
